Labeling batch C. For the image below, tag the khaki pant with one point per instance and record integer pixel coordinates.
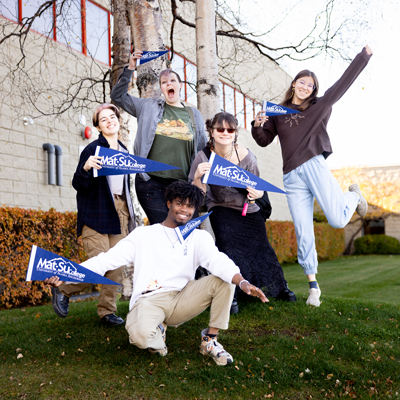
(94, 244)
(175, 308)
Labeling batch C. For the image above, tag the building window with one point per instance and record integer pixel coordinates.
(79, 24)
(374, 227)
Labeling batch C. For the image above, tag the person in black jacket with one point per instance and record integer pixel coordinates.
(105, 213)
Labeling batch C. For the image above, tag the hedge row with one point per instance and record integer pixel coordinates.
(56, 232)
(328, 241)
(19, 230)
(377, 244)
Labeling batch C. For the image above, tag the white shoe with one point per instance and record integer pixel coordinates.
(313, 297)
(162, 352)
(210, 346)
(362, 207)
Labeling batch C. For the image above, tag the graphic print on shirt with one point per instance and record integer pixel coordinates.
(176, 129)
(153, 285)
(293, 119)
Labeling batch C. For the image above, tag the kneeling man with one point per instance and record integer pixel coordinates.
(164, 290)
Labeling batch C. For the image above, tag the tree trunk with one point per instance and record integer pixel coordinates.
(208, 101)
(146, 26)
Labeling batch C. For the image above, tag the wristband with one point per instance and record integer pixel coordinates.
(244, 280)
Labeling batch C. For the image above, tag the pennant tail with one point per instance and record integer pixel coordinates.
(179, 234)
(32, 257)
(211, 161)
(95, 173)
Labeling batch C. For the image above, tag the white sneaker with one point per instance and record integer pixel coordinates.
(162, 352)
(313, 297)
(362, 207)
(210, 346)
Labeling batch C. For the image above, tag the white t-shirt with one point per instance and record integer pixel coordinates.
(160, 267)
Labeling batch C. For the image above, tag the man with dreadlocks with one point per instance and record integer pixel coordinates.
(164, 290)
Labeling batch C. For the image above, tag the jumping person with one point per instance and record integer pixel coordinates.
(167, 132)
(164, 290)
(242, 239)
(105, 212)
(305, 146)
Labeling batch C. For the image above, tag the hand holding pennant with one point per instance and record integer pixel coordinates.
(150, 55)
(272, 109)
(184, 231)
(225, 173)
(44, 264)
(120, 163)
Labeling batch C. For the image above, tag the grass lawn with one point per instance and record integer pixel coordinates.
(374, 278)
(344, 348)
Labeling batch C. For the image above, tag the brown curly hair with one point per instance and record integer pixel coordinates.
(218, 121)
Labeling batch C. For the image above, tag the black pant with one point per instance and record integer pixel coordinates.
(151, 197)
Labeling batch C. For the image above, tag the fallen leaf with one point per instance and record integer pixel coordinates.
(19, 356)
(162, 385)
(18, 350)
(271, 308)
(48, 340)
(38, 315)
(237, 367)
(307, 371)
(63, 354)
(332, 347)
(329, 376)
(80, 350)
(301, 374)
(42, 384)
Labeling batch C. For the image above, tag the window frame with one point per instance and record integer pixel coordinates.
(83, 27)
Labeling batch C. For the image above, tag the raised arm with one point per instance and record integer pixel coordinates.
(119, 94)
(335, 92)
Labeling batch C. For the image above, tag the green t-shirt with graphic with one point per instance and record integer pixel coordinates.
(173, 143)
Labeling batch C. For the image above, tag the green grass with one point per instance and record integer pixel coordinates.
(350, 347)
(374, 278)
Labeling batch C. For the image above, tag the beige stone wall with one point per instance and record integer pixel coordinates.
(392, 226)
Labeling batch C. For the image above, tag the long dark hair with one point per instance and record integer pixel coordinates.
(289, 93)
(219, 120)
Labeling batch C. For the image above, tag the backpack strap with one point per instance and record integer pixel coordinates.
(207, 152)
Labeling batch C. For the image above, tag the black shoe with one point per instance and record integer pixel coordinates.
(60, 302)
(234, 307)
(286, 295)
(112, 320)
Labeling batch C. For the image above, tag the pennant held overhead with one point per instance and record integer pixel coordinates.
(150, 55)
(272, 109)
(44, 264)
(119, 163)
(184, 231)
(225, 173)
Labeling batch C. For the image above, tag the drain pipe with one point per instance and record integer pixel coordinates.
(50, 163)
(59, 165)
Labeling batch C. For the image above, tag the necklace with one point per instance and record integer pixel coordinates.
(227, 156)
(172, 243)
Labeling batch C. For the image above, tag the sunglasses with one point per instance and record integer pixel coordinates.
(229, 130)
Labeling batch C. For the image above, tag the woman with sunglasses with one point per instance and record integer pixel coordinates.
(305, 146)
(242, 238)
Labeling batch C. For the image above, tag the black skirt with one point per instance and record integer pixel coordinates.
(244, 240)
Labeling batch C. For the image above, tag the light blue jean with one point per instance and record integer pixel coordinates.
(313, 179)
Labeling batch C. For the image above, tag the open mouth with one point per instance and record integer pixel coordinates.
(171, 92)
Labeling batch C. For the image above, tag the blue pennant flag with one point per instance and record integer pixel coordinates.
(184, 231)
(150, 55)
(225, 173)
(272, 109)
(45, 264)
(120, 163)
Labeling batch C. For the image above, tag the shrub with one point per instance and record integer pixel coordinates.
(329, 242)
(19, 230)
(377, 244)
